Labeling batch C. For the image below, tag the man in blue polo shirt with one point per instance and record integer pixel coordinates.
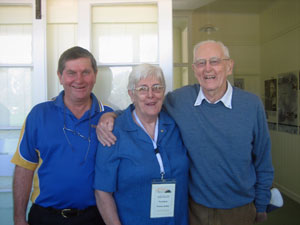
(57, 150)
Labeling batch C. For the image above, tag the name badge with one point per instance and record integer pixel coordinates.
(162, 198)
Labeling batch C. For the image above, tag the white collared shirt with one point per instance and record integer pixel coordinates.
(226, 99)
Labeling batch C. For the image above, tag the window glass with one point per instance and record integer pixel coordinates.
(125, 43)
(15, 44)
(15, 65)
(15, 92)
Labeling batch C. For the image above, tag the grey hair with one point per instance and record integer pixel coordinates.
(224, 48)
(142, 71)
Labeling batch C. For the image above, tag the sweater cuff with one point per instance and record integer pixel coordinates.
(261, 208)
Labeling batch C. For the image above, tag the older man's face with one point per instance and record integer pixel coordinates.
(212, 75)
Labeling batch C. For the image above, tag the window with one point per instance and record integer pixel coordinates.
(120, 34)
(123, 36)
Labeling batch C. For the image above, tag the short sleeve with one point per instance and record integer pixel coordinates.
(26, 154)
(106, 168)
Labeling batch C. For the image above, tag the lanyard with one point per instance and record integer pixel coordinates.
(154, 142)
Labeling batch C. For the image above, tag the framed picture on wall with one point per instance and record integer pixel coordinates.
(288, 102)
(271, 103)
(271, 95)
(239, 82)
(299, 100)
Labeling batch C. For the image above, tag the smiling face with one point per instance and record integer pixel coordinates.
(212, 78)
(147, 105)
(78, 79)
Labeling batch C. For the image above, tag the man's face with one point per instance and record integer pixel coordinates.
(212, 76)
(78, 79)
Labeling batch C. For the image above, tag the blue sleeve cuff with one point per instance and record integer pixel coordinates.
(261, 208)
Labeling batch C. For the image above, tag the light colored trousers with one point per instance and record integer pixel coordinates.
(201, 215)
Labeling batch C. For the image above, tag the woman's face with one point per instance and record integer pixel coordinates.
(148, 97)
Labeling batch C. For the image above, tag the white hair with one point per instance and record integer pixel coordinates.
(142, 71)
(224, 48)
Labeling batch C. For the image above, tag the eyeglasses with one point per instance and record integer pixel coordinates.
(156, 88)
(78, 134)
(200, 63)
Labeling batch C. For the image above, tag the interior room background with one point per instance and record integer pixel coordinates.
(263, 37)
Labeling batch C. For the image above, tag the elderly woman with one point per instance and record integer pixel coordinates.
(143, 178)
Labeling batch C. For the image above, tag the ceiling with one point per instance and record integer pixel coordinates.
(235, 6)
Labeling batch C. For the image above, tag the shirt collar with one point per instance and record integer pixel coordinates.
(96, 106)
(226, 99)
(129, 124)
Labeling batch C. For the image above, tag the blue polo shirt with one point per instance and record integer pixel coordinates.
(63, 161)
(128, 168)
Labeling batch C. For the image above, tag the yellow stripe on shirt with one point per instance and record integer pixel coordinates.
(18, 159)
